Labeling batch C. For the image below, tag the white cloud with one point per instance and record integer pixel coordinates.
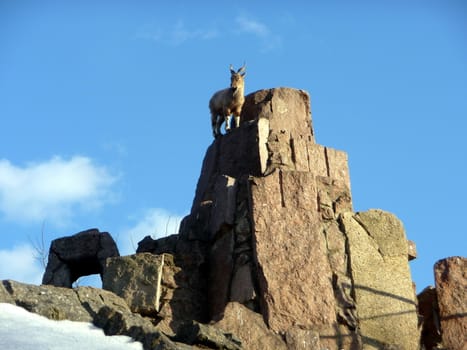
(51, 190)
(21, 264)
(155, 222)
(249, 25)
(180, 33)
(177, 34)
(268, 39)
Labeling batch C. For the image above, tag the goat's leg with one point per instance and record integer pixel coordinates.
(237, 121)
(227, 122)
(217, 131)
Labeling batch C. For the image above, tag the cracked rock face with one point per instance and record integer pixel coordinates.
(276, 211)
(451, 288)
(79, 255)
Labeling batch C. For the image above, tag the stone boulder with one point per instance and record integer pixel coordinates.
(139, 328)
(157, 286)
(136, 279)
(57, 303)
(384, 295)
(79, 255)
(451, 290)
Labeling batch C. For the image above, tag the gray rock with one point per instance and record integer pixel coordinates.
(79, 255)
(141, 329)
(85, 304)
(184, 289)
(220, 272)
(137, 279)
(57, 303)
(158, 246)
(242, 288)
(224, 205)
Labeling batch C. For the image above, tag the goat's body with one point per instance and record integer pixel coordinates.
(227, 102)
(223, 104)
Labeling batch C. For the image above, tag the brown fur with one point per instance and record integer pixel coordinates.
(227, 102)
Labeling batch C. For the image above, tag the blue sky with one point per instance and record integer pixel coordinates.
(103, 107)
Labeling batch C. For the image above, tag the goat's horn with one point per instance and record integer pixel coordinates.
(232, 68)
(242, 69)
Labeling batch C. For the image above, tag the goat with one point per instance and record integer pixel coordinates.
(228, 101)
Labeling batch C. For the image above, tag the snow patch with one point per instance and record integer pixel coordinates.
(24, 330)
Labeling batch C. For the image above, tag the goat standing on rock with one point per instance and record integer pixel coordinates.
(228, 101)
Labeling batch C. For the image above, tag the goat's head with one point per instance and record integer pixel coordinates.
(237, 77)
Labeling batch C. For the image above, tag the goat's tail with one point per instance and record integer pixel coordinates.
(215, 127)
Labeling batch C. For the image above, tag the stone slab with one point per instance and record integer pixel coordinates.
(137, 279)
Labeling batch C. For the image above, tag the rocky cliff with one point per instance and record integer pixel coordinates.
(271, 256)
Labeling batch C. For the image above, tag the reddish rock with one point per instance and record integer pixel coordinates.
(451, 289)
(333, 197)
(268, 205)
(276, 132)
(302, 339)
(290, 252)
(250, 328)
(285, 108)
(328, 162)
(429, 312)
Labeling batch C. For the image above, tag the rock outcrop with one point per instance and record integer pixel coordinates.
(271, 256)
(111, 313)
(273, 215)
(443, 309)
(79, 255)
(451, 290)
